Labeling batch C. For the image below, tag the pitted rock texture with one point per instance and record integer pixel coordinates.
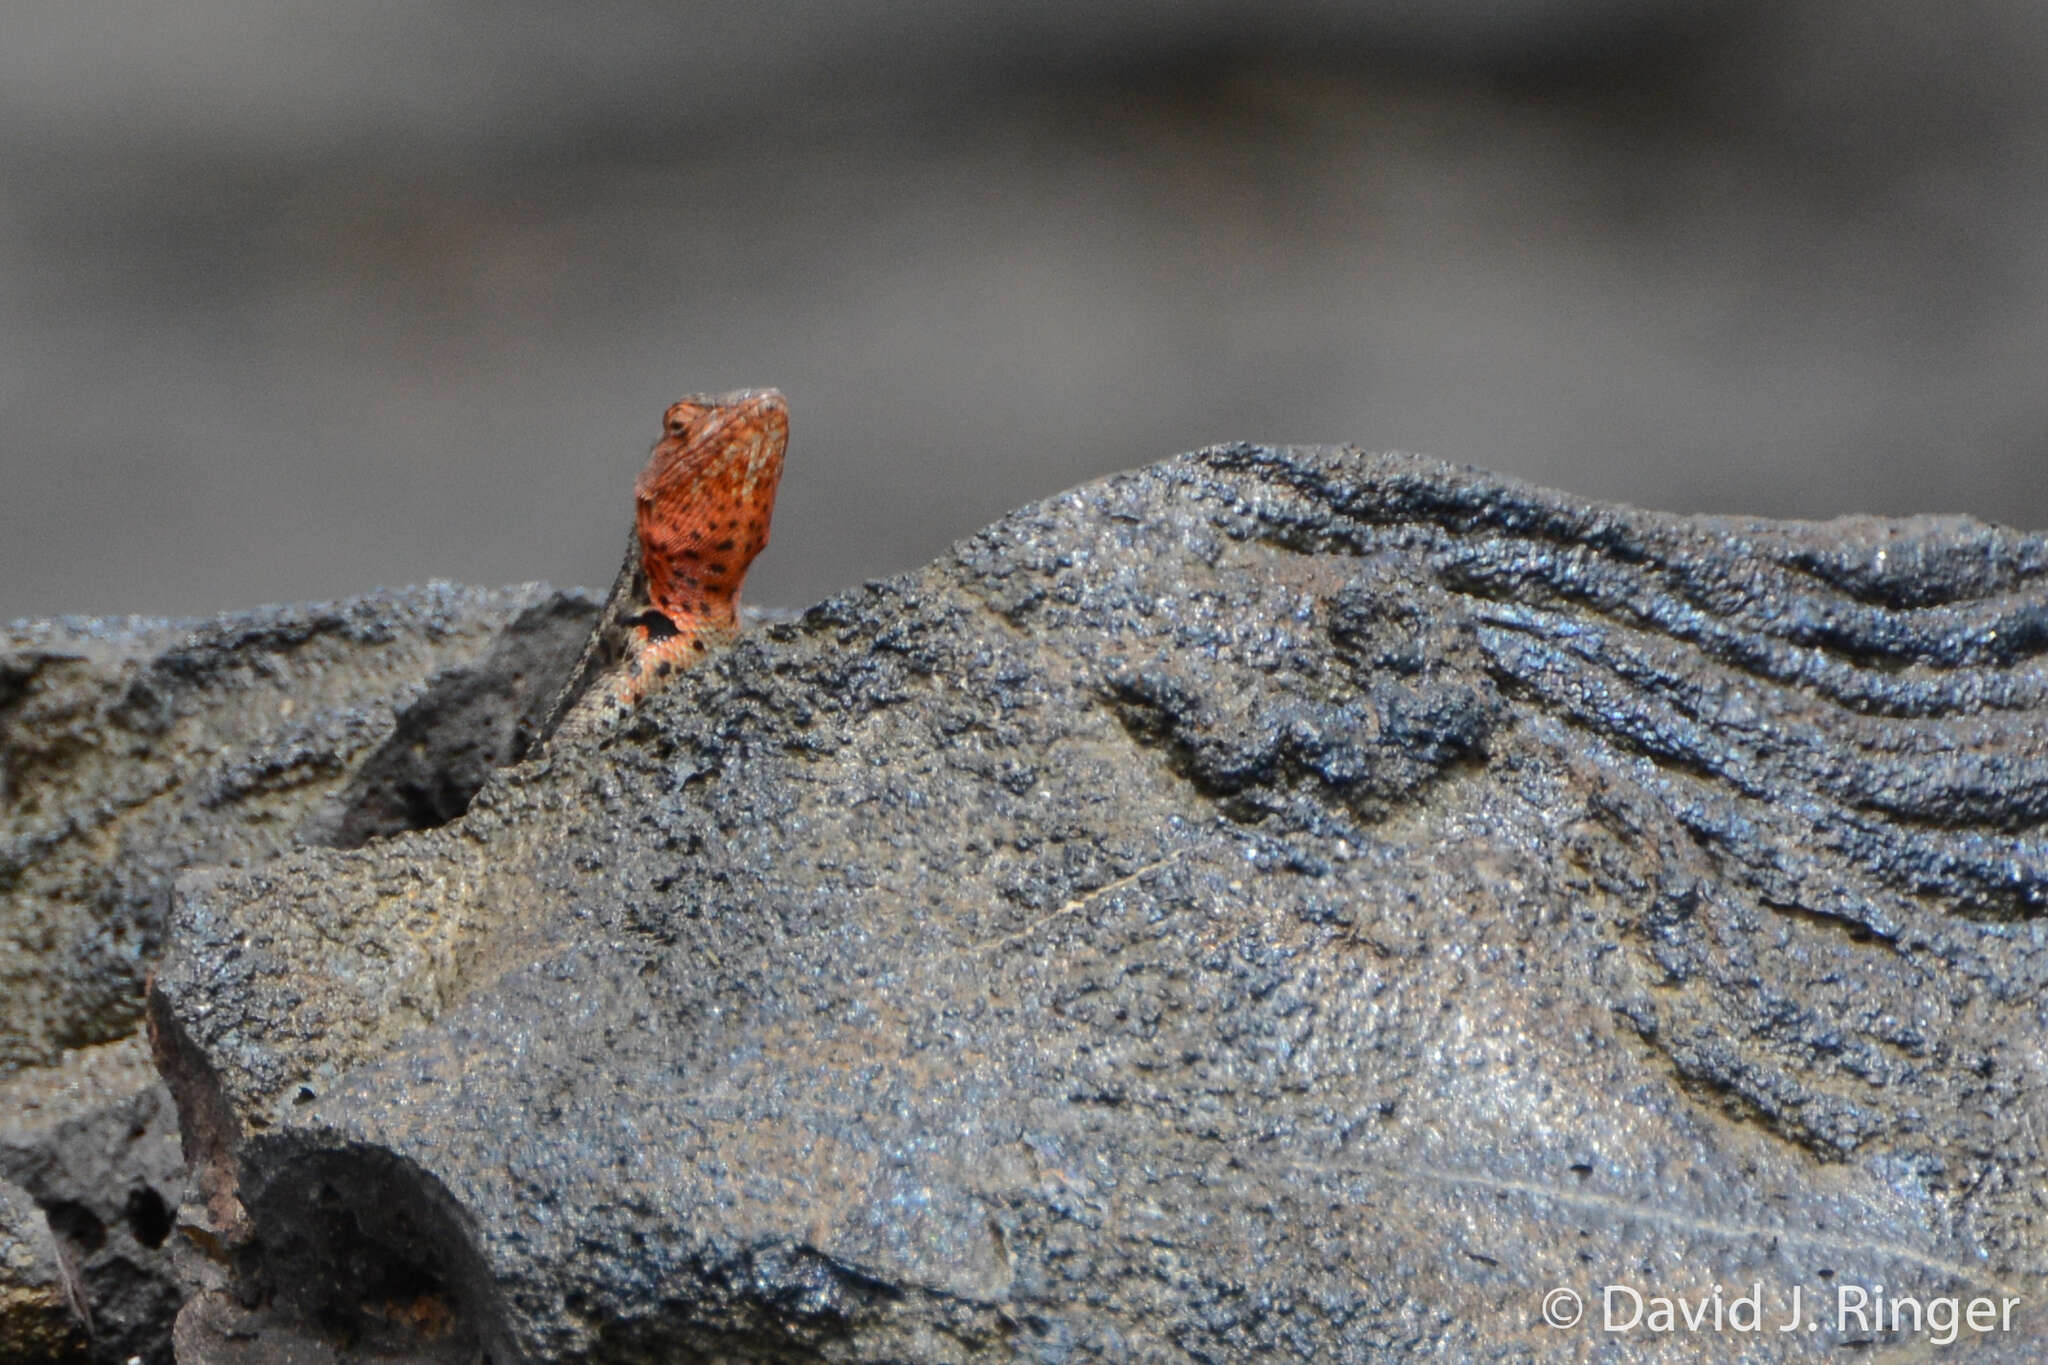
(95, 1140)
(1284, 903)
(130, 750)
(42, 1319)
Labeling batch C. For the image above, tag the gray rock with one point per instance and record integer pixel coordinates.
(130, 750)
(1290, 903)
(42, 1317)
(95, 1140)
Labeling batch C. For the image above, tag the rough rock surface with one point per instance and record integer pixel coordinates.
(1290, 903)
(42, 1317)
(130, 750)
(95, 1140)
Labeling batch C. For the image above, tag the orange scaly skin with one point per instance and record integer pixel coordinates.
(700, 515)
(701, 509)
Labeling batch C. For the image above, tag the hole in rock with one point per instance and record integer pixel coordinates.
(467, 722)
(76, 1224)
(149, 1217)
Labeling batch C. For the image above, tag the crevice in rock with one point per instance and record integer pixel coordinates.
(1361, 762)
(467, 722)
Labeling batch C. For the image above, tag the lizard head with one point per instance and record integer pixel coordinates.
(702, 504)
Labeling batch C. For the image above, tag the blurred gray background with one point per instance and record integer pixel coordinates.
(297, 298)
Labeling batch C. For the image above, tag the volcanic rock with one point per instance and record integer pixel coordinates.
(132, 749)
(1289, 903)
(42, 1318)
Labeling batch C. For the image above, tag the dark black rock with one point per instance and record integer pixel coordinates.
(95, 1140)
(1282, 903)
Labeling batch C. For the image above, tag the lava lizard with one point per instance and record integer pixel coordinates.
(700, 515)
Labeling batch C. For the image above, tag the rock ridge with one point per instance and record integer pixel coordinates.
(1282, 901)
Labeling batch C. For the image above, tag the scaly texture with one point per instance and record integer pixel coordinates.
(701, 509)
